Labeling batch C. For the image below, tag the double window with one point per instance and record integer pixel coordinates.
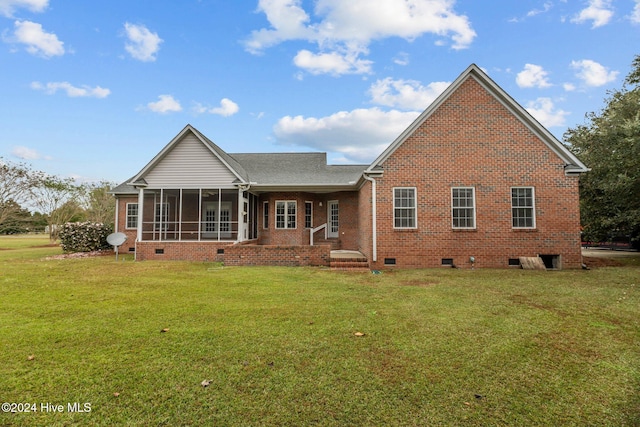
(523, 207)
(463, 203)
(404, 207)
(285, 214)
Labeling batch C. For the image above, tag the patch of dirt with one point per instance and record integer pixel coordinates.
(595, 262)
(80, 255)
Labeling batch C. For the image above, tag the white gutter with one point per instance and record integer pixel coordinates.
(374, 217)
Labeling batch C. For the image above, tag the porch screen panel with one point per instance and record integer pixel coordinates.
(190, 214)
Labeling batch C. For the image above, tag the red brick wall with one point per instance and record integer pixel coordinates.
(472, 140)
(348, 218)
(122, 222)
(235, 255)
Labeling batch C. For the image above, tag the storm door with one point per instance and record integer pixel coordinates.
(332, 219)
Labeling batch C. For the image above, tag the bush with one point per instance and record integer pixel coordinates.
(84, 236)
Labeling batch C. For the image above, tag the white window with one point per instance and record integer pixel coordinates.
(286, 214)
(308, 214)
(265, 215)
(404, 207)
(523, 207)
(463, 207)
(132, 215)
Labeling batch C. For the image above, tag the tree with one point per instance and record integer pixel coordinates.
(101, 206)
(610, 145)
(57, 198)
(18, 222)
(16, 184)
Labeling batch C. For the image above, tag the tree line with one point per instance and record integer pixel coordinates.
(34, 201)
(609, 144)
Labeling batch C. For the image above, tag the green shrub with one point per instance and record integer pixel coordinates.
(84, 236)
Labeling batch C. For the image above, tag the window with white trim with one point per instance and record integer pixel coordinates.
(308, 214)
(132, 215)
(286, 214)
(404, 207)
(265, 215)
(463, 206)
(523, 207)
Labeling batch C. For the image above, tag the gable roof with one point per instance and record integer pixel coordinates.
(264, 171)
(234, 167)
(572, 163)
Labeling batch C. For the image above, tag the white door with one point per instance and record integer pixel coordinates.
(211, 220)
(332, 222)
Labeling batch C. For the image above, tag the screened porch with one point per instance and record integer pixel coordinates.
(197, 215)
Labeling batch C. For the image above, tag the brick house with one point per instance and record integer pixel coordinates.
(474, 181)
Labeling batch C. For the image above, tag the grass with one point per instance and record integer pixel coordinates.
(279, 345)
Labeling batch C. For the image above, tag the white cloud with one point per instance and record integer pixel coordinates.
(25, 153)
(165, 104)
(545, 8)
(403, 58)
(405, 94)
(143, 44)
(533, 76)
(543, 111)
(7, 7)
(569, 87)
(592, 73)
(635, 15)
(344, 29)
(360, 135)
(227, 108)
(72, 91)
(331, 63)
(598, 11)
(38, 41)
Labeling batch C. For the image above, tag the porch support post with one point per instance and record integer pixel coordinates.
(140, 213)
(240, 236)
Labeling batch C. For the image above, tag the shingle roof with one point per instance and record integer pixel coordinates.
(296, 169)
(281, 170)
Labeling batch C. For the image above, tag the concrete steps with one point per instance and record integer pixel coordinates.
(348, 261)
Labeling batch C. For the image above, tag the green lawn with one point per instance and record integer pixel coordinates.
(279, 345)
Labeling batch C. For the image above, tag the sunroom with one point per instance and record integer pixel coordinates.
(202, 214)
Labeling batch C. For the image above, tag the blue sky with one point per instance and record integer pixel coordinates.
(95, 89)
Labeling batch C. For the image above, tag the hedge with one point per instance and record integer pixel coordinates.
(84, 236)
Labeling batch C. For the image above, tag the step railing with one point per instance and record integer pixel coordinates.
(314, 230)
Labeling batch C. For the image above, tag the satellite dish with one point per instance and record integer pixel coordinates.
(116, 239)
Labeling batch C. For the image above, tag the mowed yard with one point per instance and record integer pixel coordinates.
(138, 342)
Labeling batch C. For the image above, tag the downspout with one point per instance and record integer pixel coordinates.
(374, 216)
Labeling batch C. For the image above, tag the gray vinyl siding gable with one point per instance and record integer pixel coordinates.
(189, 164)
